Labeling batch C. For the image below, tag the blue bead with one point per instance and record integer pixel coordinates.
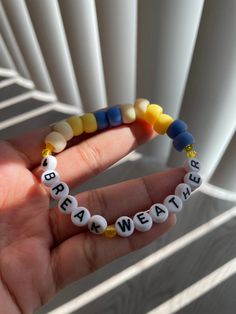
(101, 118)
(182, 140)
(114, 116)
(176, 127)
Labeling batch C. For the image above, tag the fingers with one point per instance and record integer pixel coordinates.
(84, 253)
(125, 198)
(86, 159)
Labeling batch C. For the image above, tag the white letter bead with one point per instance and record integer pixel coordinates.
(173, 203)
(50, 177)
(97, 224)
(158, 212)
(67, 204)
(128, 113)
(80, 216)
(57, 140)
(49, 163)
(183, 191)
(124, 226)
(142, 221)
(192, 164)
(64, 129)
(59, 190)
(193, 179)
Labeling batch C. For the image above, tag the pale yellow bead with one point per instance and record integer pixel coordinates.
(89, 123)
(152, 113)
(57, 141)
(162, 123)
(64, 129)
(128, 113)
(140, 107)
(76, 124)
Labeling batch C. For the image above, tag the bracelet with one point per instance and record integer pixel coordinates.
(124, 226)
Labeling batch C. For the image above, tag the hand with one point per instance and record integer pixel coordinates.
(40, 248)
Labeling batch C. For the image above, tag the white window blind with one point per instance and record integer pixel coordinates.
(92, 54)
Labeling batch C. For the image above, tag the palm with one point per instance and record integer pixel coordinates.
(40, 248)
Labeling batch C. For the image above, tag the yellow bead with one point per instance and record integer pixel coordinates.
(110, 231)
(48, 150)
(89, 123)
(140, 107)
(162, 123)
(191, 153)
(152, 113)
(76, 124)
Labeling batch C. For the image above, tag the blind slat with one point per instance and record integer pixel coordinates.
(83, 39)
(210, 97)
(5, 57)
(12, 45)
(22, 27)
(117, 22)
(47, 21)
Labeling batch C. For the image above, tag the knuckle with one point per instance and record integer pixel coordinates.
(97, 200)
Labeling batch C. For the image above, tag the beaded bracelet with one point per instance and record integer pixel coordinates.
(90, 122)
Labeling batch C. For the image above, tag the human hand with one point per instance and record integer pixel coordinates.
(40, 248)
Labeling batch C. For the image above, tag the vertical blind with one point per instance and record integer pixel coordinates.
(90, 54)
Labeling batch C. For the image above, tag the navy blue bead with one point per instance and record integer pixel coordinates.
(176, 127)
(182, 140)
(101, 118)
(114, 116)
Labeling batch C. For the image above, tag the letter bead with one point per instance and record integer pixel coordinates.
(173, 203)
(183, 191)
(192, 164)
(49, 163)
(124, 226)
(142, 221)
(67, 204)
(50, 177)
(159, 213)
(193, 179)
(97, 224)
(59, 190)
(80, 216)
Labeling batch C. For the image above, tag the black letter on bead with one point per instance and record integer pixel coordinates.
(195, 179)
(96, 227)
(195, 164)
(159, 210)
(172, 200)
(49, 176)
(80, 215)
(45, 163)
(187, 193)
(142, 219)
(58, 188)
(125, 224)
(65, 203)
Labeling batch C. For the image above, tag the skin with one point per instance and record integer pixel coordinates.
(40, 248)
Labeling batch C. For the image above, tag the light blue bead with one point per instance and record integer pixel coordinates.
(114, 116)
(182, 140)
(101, 118)
(177, 127)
